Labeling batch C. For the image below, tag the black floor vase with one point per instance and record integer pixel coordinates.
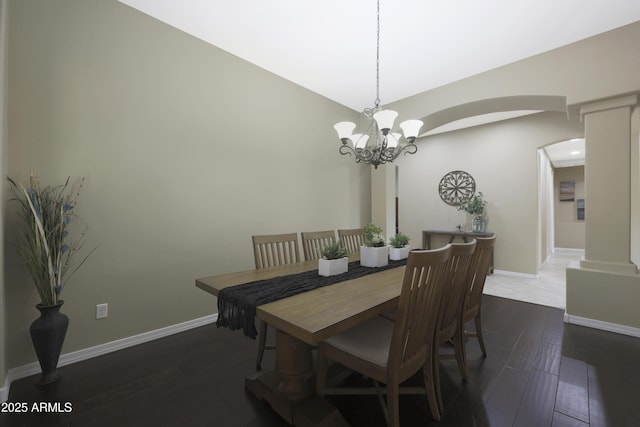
(48, 333)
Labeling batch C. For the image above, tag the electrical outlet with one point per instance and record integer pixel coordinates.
(102, 310)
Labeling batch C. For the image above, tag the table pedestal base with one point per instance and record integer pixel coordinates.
(293, 364)
(310, 412)
(287, 390)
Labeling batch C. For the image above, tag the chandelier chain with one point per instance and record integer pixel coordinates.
(377, 101)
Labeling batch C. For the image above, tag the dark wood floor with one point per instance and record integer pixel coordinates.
(539, 372)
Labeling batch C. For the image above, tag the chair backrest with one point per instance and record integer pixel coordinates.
(455, 292)
(314, 241)
(480, 264)
(275, 249)
(415, 324)
(352, 239)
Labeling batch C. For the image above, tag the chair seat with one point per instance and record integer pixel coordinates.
(368, 341)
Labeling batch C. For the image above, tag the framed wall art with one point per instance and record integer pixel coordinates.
(567, 191)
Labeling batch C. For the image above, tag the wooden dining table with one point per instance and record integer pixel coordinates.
(303, 321)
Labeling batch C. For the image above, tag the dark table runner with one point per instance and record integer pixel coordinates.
(237, 304)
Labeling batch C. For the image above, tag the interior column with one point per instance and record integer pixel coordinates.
(383, 196)
(603, 290)
(608, 185)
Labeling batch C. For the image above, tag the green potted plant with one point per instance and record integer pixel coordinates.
(46, 217)
(475, 206)
(399, 247)
(334, 259)
(375, 252)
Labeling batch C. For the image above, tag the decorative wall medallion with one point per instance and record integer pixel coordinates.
(456, 188)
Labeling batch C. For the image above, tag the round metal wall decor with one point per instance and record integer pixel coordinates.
(456, 188)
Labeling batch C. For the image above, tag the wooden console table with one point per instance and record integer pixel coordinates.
(452, 234)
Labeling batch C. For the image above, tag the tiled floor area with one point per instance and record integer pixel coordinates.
(548, 289)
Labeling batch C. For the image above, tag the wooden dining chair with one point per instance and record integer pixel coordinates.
(391, 352)
(453, 297)
(352, 239)
(272, 250)
(314, 241)
(481, 263)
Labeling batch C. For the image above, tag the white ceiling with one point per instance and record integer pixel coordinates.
(329, 46)
(566, 153)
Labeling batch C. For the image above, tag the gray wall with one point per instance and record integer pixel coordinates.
(572, 74)
(594, 73)
(503, 159)
(187, 151)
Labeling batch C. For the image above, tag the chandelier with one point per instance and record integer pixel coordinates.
(378, 144)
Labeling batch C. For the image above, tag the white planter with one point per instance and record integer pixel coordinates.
(374, 257)
(397, 254)
(331, 267)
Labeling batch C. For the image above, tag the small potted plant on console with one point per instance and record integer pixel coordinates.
(476, 208)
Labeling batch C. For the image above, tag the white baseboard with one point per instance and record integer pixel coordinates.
(99, 350)
(516, 274)
(605, 326)
(576, 250)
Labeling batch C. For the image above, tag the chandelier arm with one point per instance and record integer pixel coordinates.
(390, 154)
(365, 155)
(410, 149)
(346, 149)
